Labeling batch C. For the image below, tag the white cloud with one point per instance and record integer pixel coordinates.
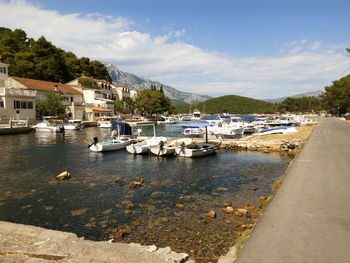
(301, 66)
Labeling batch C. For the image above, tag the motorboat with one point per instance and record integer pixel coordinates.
(197, 149)
(194, 132)
(278, 130)
(166, 149)
(109, 145)
(196, 115)
(120, 138)
(46, 127)
(168, 120)
(144, 146)
(107, 125)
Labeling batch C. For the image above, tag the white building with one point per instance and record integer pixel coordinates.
(15, 103)
(71, 98)
(120, 92)
(98, 103)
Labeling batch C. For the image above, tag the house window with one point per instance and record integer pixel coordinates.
(3, 70)
(16, 104)
(71, 99)
(30, 105)
(1, 104)
(23, 104)
(97, 114)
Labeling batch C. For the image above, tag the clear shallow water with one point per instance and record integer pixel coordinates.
(90, 204)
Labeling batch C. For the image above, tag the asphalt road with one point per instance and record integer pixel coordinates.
(309, 218)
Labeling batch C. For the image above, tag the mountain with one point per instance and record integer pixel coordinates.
(138, 83)
(229, 104)
(316, 94)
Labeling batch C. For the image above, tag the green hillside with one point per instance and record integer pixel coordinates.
(229, 104)
(40, 59)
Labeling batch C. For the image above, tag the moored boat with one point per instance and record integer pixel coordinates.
(144, 146)
(167, 149)
(197, 149)
(46, 127)
(120, 138)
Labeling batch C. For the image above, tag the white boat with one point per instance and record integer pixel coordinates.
(166, 149)
(72, 127)
(110, 145)
(197, 149)
(278, 130)
(168, 120)
(46, 127)
(196, 115)
(107, 125)
(121, 138)
(144, 146)
(194, 132)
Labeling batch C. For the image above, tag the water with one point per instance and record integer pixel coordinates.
(92, 205)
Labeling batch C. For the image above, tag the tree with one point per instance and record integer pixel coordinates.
(302, 104)
(337, 96)
(161, 89)
(150, 101)
(88, 83)
(40, 59)
(52, 106)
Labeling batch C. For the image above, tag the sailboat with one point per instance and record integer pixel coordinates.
(120, 139)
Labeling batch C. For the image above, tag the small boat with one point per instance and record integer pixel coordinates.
(166, 149)
(121, 138)
(196, 115)
(106, 125)
(278, 130)
(71, 127)
(168, 120)
(46, 127)
(144, 146)
(197, 149)
(110, 145)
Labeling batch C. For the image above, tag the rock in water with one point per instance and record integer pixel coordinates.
(211, 214)
(63, 176)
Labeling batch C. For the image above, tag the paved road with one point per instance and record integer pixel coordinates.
(309, 218)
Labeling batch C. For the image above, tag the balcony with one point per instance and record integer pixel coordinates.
(17, 92)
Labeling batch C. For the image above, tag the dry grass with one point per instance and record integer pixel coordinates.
(302, 134)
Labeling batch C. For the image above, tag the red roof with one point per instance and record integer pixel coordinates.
(46, 85)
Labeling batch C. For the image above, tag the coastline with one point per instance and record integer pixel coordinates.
(245, 227)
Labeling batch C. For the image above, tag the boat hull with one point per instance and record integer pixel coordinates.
(198, 150)
(110, 146)
(165, 151)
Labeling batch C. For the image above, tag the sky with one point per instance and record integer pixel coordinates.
(254, 48)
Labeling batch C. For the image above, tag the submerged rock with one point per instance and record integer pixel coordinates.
(229, 210)
(178, 205)
(226, 204)
(63, 176)
(119, 181)
(135, 185)
(211, 214)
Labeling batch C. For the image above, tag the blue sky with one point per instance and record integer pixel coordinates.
(260, 49)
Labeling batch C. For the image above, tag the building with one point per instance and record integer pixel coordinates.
(120, 92)
(18, 104)
(99, 102)
(71, 98)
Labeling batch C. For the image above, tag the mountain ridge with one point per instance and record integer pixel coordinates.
(316, 93)
(139, 83)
